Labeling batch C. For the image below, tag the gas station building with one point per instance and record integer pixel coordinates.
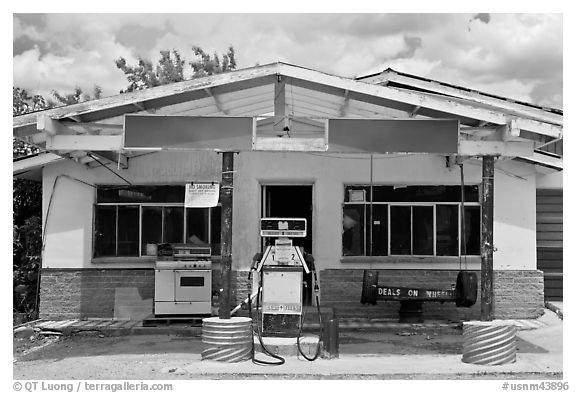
(392, 207)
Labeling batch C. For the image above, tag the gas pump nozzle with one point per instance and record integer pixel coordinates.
(309, 259)
(255, 261)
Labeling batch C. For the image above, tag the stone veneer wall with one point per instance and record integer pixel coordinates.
(519, 293)
(92, 293)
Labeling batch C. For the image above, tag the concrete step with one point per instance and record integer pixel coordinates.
(287, 346)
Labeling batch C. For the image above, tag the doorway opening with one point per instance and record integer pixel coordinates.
(291, 201)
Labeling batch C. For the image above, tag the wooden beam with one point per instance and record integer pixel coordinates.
(226, 199)
(289, 144)
(216, 100)
(241, 79)
(511, 131)
(544, 160)
(440, 104)
(513, 107)
(487, 243)
(507, 132)
(84, 142)
(280, 113)
(119, 159)
(495, 148)
(51, 126)
(140, 106)
(76, 118)
(415, 111)
(37, 160)
(344, 105)
(58, 127)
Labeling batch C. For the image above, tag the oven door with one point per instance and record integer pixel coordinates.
(192, 285)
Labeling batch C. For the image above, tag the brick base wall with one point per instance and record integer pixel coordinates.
(519, 294)
(92, 293)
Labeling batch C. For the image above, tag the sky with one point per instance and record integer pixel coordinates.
(513, 55)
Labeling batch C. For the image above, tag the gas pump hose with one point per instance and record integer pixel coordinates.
(280, 360)
(318, 346)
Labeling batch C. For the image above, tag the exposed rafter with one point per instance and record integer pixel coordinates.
(140, 106)
(414, 111)
(345, 103)
(217, 102)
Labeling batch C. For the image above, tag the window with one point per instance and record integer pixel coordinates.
(410, 221)
(128, 219)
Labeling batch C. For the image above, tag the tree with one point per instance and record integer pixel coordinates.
(23, 103)
(170, 68)
(26, 215)
(76, 96)
(144, 75)
(207, 65)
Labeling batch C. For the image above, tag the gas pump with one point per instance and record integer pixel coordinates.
(281, 270)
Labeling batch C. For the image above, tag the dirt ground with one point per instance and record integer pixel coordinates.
(94, 356)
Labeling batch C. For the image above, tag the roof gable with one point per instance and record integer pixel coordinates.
(288, 91)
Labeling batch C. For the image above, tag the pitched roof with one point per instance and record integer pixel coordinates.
(309, 94)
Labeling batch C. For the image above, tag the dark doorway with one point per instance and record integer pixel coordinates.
(291, 202)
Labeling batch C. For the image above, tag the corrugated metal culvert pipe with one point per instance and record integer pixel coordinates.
(489, 343)
(227, 340)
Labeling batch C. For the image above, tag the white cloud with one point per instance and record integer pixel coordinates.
(514, 55)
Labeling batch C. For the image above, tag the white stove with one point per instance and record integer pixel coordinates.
(183, 280)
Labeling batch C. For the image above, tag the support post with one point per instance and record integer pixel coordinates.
(487, 250)
(226, 194)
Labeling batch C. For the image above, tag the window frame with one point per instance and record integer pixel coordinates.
(140, 206)
(411, 204)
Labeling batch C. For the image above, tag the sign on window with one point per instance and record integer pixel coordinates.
(201, 195)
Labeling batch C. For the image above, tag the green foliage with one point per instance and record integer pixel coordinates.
(23, 103)
(170, 68)
(26, 215)
(26, 244)
(27, 249)
(207, 65)
(76, 96)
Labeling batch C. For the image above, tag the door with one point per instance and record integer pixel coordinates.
(549, 241)
(291, 201)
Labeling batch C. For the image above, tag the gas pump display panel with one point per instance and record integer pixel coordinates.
(282, 291)
(283, 227)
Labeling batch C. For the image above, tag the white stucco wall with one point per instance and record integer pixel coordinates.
(549, 179)
(69, 228)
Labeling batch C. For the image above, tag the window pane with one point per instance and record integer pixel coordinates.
(151, 226)
(173, 225)
(447, 230)
(215, 223)
(128, 230)
(197, 226)
(400, 238)
(353, 230)
(423, 230)
(105, 231)
(472, 214)
(141, 194)
(380, 230)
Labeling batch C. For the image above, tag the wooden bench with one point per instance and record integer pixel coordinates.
(411, 299)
